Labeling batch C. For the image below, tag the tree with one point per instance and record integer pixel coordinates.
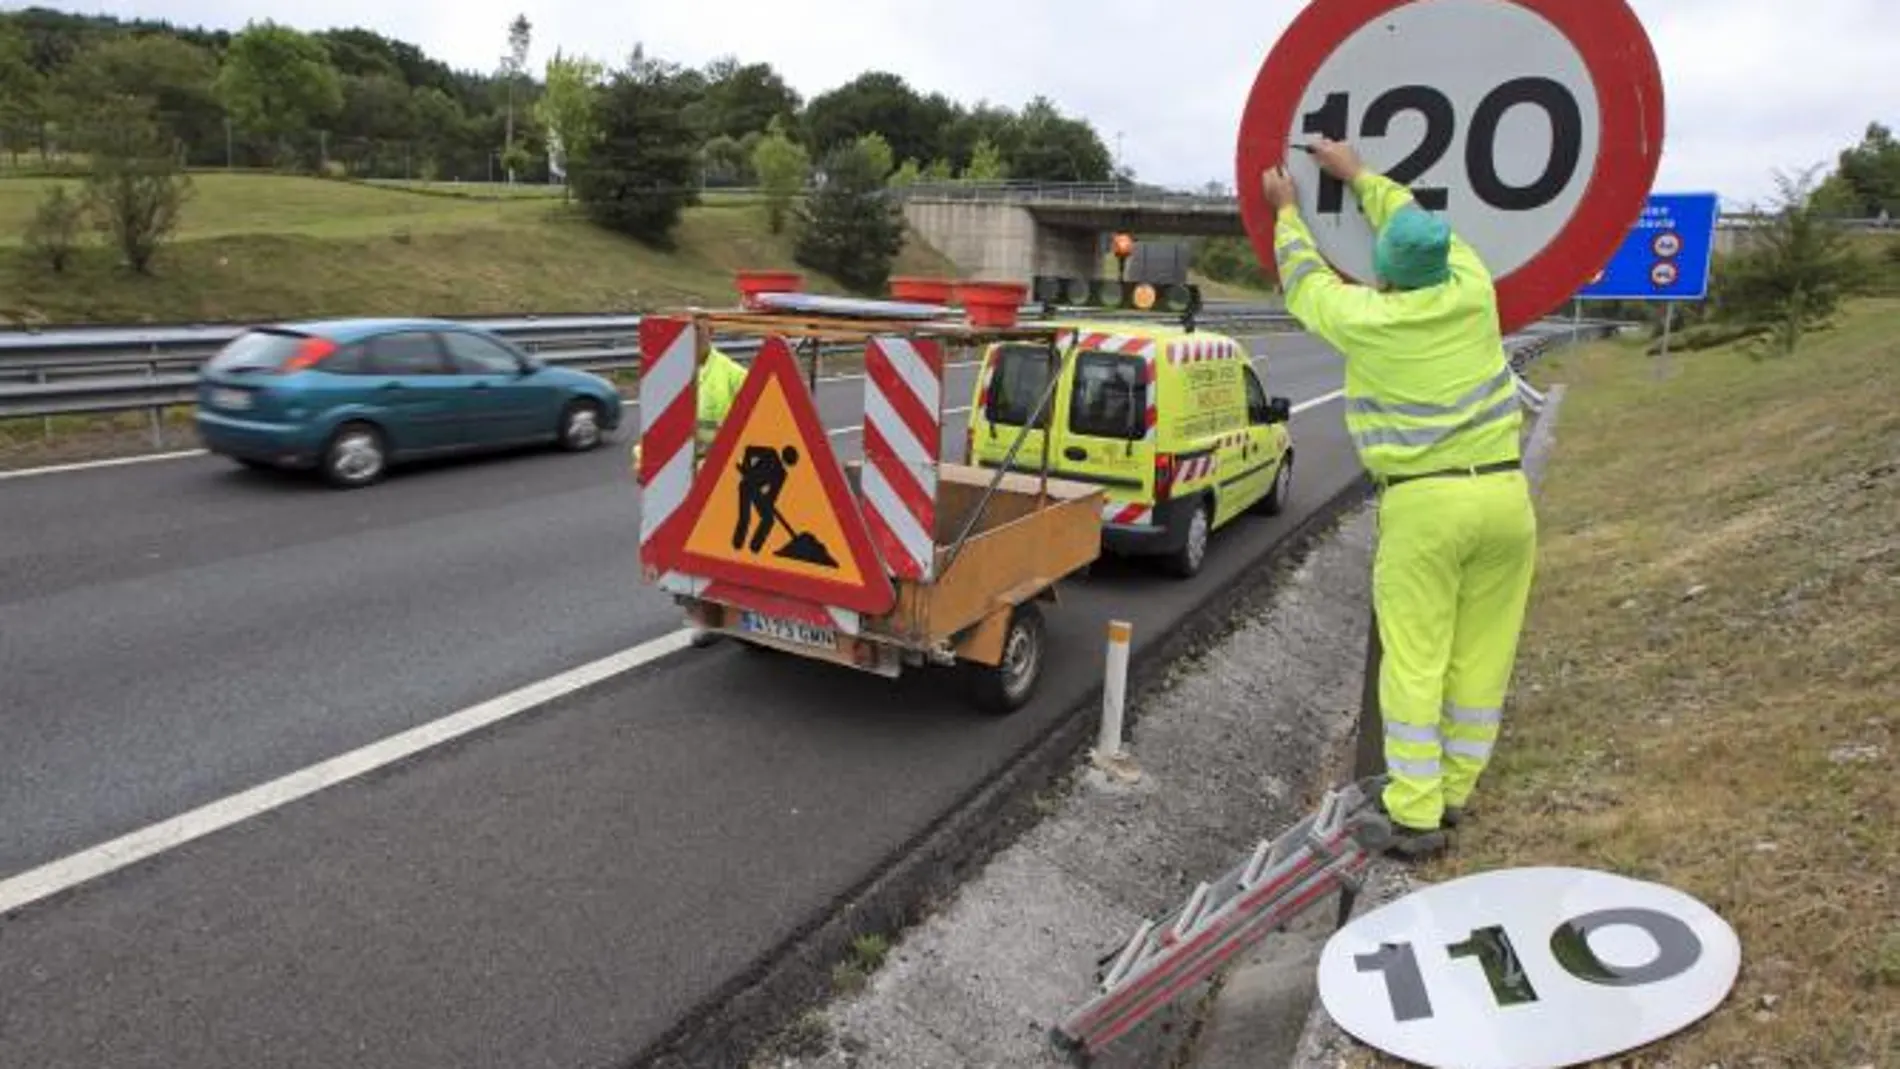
(744, 99)
(177, 77)
(277, 82)
(908, 175)
(1047, 146)
(882, 103)
(986, 164)
(1795, 274)
(848, 229)
(21, 88)
(1868, 179)
(879, 150)
(438, 120)
(643, 171)
(783, 166)
(725, 163)
(569, 108)
(53, 232)
(520, 35)
(135, 188)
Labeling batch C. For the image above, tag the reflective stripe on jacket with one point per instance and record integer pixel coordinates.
(719, 380)
(1428, 385)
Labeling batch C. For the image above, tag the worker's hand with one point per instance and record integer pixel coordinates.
(1277, 186)
(1337, 158)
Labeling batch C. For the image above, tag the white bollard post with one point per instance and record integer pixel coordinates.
(1108, 744)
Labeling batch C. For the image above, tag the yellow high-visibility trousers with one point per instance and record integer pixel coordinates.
(1450, 581)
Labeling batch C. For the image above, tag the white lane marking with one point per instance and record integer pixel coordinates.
(70, 871)
(1318, 401)
(88, 465)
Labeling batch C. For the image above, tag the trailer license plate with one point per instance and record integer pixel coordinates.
(788, 630)
(231, 399)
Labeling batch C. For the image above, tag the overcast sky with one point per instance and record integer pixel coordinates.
(1752, 85)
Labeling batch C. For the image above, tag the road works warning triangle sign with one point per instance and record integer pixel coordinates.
(770, 508)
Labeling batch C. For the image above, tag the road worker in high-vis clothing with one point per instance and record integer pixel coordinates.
(1432, 409)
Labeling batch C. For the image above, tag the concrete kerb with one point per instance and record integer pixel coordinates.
(757, 1006)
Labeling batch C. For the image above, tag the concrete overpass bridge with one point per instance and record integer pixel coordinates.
(1021, 229)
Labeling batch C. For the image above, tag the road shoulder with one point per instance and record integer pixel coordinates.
(1234, 744)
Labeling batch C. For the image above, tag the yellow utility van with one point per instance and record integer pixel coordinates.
(1174, 424)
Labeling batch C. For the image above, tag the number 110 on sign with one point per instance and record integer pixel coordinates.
(1483, 174)
(1677, 949)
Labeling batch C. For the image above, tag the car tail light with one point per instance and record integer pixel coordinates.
(1164, 475)
(312, 351)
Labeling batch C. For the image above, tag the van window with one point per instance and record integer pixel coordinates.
(1108, 400)
(1017, 385)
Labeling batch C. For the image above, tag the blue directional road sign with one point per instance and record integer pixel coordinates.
(1666, 255)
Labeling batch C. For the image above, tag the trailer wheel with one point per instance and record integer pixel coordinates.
(1007, 687)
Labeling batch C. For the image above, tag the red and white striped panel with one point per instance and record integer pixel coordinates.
(1127, 515)
(903, 444)
(1201, 350)
(669, 400)
(1197, 468)
(1098, 342)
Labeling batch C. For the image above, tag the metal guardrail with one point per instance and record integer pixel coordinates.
(84, 372)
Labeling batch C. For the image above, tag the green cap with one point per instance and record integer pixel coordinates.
(1413, 249)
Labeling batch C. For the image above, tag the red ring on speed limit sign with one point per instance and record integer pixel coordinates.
(1625, 77)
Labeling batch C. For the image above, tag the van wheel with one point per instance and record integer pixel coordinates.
(356, 456)
(1008, 686)
(1186, 562)
(1276, 500)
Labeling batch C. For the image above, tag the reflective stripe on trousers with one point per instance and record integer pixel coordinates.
(1451, 579)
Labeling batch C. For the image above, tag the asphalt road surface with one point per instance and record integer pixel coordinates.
(557, 890)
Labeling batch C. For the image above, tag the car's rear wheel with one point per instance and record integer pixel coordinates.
(356, 456)
(580, 426)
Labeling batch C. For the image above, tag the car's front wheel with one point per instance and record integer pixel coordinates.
(356, 456)
(580, 426)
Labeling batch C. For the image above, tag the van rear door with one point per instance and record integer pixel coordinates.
(1106, 424)
(1018, 378)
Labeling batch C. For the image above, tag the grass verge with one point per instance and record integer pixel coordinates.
(1709, 684)
(258, 246)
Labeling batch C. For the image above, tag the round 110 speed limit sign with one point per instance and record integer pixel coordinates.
(1527, 968)
(1534, 126)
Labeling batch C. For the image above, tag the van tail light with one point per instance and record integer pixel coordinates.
(1164, 476)
(309, 354)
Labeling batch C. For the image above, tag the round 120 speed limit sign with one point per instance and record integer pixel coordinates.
(1527, 968)
(1534, 126)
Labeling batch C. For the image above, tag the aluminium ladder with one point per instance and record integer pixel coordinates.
(1326, 852)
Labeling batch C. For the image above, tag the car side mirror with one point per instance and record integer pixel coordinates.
(1279, 410)
(528, 367)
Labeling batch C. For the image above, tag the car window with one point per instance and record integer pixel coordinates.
(349, 360)
(406, 353)
(472, 354)
(257, 350)
(1108, 398)
(1016, 386)
(1256, 397)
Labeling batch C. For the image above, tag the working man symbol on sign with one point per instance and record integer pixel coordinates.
(762, 475)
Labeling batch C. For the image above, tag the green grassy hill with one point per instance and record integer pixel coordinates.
(258, 246)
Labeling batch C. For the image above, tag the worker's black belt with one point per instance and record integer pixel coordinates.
(1448, 473)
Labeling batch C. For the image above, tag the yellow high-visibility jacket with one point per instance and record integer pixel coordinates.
(719, 380)
(1428, 385)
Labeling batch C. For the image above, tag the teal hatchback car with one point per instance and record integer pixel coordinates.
(352, 397)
